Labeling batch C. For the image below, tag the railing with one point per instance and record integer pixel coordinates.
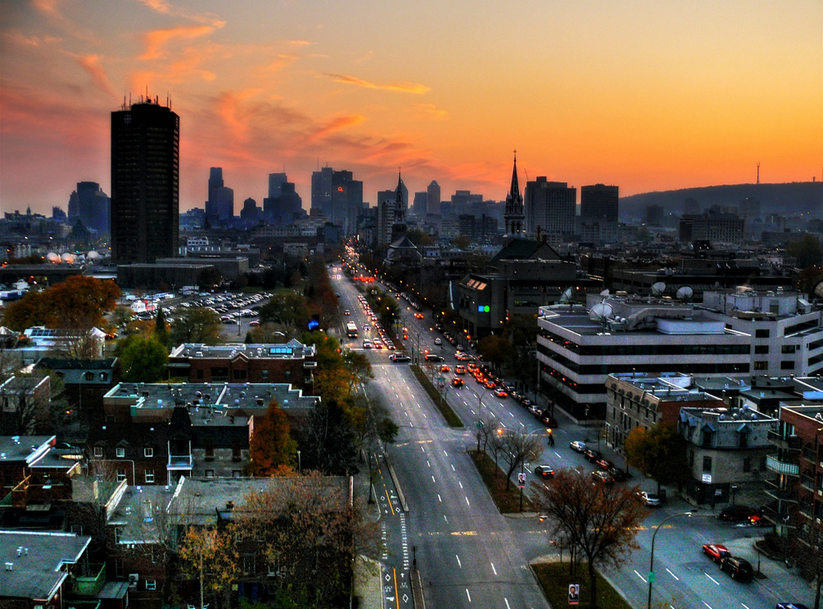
(88, 579)
(782, 441)
(180, 462)
(772, 489)
(782, 467)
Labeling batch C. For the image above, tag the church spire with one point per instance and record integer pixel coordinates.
(513, 214)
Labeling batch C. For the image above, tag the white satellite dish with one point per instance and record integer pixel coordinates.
(818, 289)
(658, 288)
(566, 297)
(605, 293)
(600, 312)
(685, 293)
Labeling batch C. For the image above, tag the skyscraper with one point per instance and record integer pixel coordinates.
(145, 181)
(550, 209)
(433, 198)
(599, 202)
(91, 206)
(220, 205)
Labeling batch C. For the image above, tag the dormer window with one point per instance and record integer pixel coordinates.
(148, 452)
(120, 452)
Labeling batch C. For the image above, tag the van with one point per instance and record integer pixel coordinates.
(737, 568)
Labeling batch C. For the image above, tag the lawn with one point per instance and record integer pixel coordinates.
(554, 578)
(495, 479)
(450, 415)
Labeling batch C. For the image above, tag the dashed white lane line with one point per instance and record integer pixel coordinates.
(640, 576)
(493, 569)
(459, 564)
(439, 498)
(672, 574)
(468, 595)
(467, 502)
(711, 578)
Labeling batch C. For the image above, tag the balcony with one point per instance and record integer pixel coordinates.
(773, 490)
(88, 579)
(782, 467)
(180, 462)
(781, 441)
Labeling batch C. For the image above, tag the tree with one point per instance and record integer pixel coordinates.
(358, 367)
(497, 350)
(807, 250)
(210, 556)
(271, 447)
(600, 520)
(461, 242)
(195, 325)
(161, 330)
(143, 360)
(327, 442)
(516, 448)
(658, 452)
(286, 308)
(209, 278)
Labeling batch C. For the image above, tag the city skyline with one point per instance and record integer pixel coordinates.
(646, 96)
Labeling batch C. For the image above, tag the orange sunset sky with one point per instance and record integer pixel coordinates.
(647, 95)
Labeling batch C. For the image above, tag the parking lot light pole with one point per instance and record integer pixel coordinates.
(651, 559)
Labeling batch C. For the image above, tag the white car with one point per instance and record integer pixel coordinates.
(437, 341)
(578, 445)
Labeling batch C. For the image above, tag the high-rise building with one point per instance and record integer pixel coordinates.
(550, 209)
(321, 190)
(514, 215)
(276, 181)
(419, 204)
(338, 196)
(91, 206)
(220, 204)
(599, 202)
(145, 181)
(433, 199)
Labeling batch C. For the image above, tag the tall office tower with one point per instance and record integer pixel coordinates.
(91, 206)
(599, 202)
(145, 182)
(419, 204)
(220, 205)
(550, 209)
(433, 199)
(276, 181)
(347, 201)
(321, 190)
(514, 216)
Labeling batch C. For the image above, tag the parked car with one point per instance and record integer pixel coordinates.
(618, 474)
(592, 455)
(438, 341)
(737, 568)
(716, 551)
(605, 464)
(544, 470)
(601, 476)
(737, 513)
(790, 606)
(577, 445)
(650, 499)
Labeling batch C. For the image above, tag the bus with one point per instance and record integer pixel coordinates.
(351, 329)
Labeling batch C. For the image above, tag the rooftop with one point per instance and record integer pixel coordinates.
(29, 449)
(293, 349)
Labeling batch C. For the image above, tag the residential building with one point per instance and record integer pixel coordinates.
(145, 144)
(25, 405)
(713, 226)
(726, 453)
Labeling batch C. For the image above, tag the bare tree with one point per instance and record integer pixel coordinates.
(487, 427)
(516, 448)
(600, 520)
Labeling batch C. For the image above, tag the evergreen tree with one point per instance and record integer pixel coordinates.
(161, 329)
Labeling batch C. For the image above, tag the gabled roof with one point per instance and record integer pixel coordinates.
(525, 249)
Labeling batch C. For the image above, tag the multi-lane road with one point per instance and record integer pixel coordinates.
(469, 555)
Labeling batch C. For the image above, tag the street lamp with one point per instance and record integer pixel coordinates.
(651, 559)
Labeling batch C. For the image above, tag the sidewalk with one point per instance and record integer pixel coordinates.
(367, 586)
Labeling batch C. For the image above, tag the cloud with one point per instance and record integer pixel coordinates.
(91, 63)
(156, 40)
(337, 124)
(432, 110)
(164, 8)
(277, 63)
(402, 87)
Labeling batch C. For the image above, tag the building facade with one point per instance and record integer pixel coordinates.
(550, 209)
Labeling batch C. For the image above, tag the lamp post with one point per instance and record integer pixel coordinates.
(651, 559)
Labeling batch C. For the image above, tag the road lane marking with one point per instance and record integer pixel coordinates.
(459, 564)
(460, 483)
(707, 604)
(493, 569)
(433, 480)
(467, 502)
(672, 574)
(711, 578)
(454, 470)
(428, 463)
(469, 595)
(745, 605)
(396, 595)
(446, 519)
(439, 498)
(640, 576)
(445, 453)
(507, 603)
(557, 453)
(390, 505)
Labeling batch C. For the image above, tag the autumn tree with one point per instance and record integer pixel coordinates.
(143, 360)
(600, 520)
(271, 447)
(807, 250)
(286, 308)
(195, 325)
(359, 368)
(78, 303)
(515, 449)
(210, 556)
(659, 452)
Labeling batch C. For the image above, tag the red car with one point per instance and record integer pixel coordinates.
(715, 551)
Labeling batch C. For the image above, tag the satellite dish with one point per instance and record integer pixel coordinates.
(684, 293)
(658, 288)
(605, 292)
(818, 289)
(566, 297)
(600, 312)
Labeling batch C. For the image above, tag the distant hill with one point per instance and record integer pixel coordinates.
(793, 198)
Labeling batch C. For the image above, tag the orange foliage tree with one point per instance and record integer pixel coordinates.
(271, 447)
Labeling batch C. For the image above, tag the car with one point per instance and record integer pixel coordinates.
(649, 499)
(548, 420)
(432, 357)
(578, 446)
(438, 341)
(460, 348)
(618, 474)
(716, 551)
(490, 385)
(592, 455)
(346, 312)
(458, 382)
(790, 606)
(601, 476)
(736, 513)
(758, 521)
(445, 368)
(737, 568)
(399, 357)
(605, 464)
(367, 344)
(459, 369)
(419, 315)
(544, 470)
(501, 393)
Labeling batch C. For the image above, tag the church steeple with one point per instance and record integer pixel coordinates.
(514, 215)
(399, 203)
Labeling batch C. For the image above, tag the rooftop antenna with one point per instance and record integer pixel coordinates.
(758, 172)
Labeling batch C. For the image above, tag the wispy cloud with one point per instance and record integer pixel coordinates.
(165, 8)
(91, 63)
(402, 87)
(156, 40)
(277, 63)
(432, 110)
(338, 124)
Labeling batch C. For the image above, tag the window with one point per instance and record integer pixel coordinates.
(121, 475)
(249, 564)
(707, 437)
(691, 458)
(209, 448)
(788, 348)
(786, 365)
(235, 473)
(148, 452)
(118, 568)
(88, 376)
(743, 440)
(761, 365)
(707, 465)
(209, 473)
(761, 349)
(118, 533)
(761, 334)
(747, 465)
(200, 373)
(120, 452)
(98, 452)
(151, 584)
(149, 476)
(265, 374)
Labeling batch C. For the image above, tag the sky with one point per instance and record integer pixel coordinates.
(648, 95)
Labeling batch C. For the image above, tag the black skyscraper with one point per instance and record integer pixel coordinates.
(145, 144)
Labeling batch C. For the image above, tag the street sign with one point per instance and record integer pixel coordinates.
(574, 594)
(651, 577)
(521, 479)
